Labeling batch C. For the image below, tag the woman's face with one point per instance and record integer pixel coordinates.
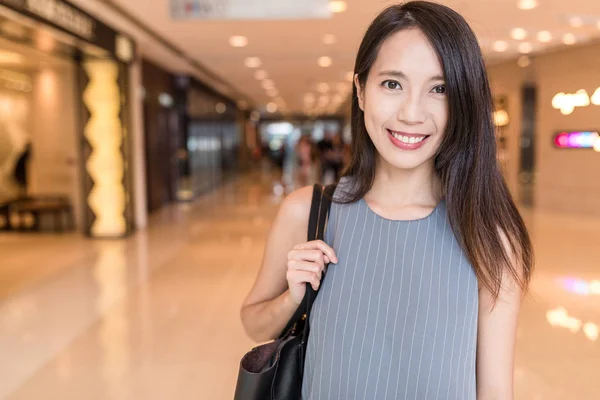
(404, 100)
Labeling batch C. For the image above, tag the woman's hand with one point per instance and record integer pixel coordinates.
(306, 263)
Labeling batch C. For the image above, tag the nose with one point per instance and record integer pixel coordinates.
(411, 111)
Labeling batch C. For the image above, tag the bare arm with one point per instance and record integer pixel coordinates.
(497, 330)
(288, 262)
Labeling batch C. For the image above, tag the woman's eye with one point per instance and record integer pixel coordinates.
(441, 89)
(392, 85)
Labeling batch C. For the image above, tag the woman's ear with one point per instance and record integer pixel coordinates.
(359, 92)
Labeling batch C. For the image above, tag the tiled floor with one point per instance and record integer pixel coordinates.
(156, 316)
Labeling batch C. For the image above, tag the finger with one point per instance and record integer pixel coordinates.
(321, 245)
(307, 255)
(306, 266)
(297, 278)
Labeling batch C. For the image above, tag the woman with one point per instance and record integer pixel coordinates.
(430, 257)
(305, 154)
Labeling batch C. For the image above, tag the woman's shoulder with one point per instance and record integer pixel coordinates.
(296, 205)
(295, 208)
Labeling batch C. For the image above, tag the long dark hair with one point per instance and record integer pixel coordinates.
(481, 210)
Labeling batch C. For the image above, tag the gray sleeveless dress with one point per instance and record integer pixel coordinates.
(396, 318)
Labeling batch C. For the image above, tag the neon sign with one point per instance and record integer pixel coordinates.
(581, 286)
(567, 102)
(577, 140)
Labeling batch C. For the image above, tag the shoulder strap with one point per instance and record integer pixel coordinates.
(317, 222)
(319, 215)
(315, 211)
(319, 211)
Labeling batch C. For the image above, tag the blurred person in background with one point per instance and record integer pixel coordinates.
(324, 147)
(336, 157)
(305, 153)
(429, 255)
(331, 154)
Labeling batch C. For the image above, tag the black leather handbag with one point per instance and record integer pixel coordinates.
(273, 371)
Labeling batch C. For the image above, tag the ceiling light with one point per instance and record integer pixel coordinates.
(576, 22)
(527, 4)
(337, 6)
(337, 99)
(569, 39)
(272, 108)
(252, 62)
(598, 24)
(268, 84)
(544, 36)
(220, 108)
(325, 62)
(329, 39)
(255, 116)
(272, 92)
(525, 48)
(500, 46)
(518, 33)
(524, 61)
(165, 100)
(238, 41)
(323, 101)
(591, 330)
(350, 76)
(323, 88)
(260, 74)
(309, 98)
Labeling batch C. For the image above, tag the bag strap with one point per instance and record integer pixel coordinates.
(315, 210)
(317, 223)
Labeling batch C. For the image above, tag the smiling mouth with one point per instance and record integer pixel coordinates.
(408, 138)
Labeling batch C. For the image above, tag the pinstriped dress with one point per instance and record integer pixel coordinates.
(396, 318)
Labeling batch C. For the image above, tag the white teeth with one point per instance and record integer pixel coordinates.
(407, 139)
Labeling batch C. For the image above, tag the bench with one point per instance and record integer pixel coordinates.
(26, 213)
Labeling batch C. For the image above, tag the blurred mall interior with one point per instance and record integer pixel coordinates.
(145, 146)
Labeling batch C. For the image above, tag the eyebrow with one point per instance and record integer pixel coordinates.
(401, 74)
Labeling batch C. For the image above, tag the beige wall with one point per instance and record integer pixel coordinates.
(54, 166)
(15, 129)
(567, 180)
(138, 151)
(55, 161)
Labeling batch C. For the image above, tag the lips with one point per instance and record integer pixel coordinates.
(407, 141)
(408, 138)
